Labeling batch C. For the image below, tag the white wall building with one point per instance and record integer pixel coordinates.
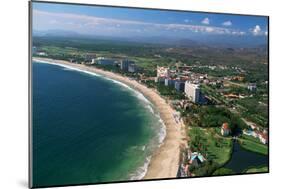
(192, 91)
(132, 68)
(125, 64)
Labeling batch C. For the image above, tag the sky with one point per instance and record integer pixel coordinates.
(125, 22)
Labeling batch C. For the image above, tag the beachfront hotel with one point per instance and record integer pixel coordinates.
(125, 64)
(103, 61)
(192, 91)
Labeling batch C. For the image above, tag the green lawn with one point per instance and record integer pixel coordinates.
(251, 138)
(257, 170)
(253, 144)
(217, 148)
(146, 62)
(223, 171)
(53, 50)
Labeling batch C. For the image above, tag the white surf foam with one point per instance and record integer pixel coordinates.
(141, 171)
(162, 133)
(66, 66)
(150, 108)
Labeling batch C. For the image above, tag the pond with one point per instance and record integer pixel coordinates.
(243, 159)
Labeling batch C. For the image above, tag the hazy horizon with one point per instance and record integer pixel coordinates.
(120, 22)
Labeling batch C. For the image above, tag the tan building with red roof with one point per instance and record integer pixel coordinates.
(225, 130)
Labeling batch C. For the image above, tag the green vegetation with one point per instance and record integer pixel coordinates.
(214, 94)
(223, 171)
(238, 90)
(170, 92)
(217, 72)
(216, 149)
(256, 170)
(99, 45)
(256, 110)
(213, 116)
(253, 144)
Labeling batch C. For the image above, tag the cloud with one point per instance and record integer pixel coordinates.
(203, 29)
(227, 23)
(238, 33)
(257, 31)
(206, 21)
(86, 24)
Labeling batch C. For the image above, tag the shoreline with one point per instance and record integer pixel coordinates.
(164, 162)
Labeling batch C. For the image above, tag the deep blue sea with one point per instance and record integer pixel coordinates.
(88, 129)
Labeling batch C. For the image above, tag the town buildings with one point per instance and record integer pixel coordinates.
(262, 136)
(252, 87)
(163, 72)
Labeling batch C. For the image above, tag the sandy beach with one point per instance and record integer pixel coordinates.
(165, 161)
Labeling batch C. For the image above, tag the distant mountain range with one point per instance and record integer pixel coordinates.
(58, 33)
(223, 41)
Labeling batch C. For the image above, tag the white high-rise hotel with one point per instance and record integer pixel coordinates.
(192, 91)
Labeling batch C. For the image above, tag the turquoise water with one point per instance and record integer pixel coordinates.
(88, 129)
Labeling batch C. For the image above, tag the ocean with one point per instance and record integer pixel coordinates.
(89, 129)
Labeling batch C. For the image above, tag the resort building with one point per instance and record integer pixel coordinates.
(250, 133)
(196, 159)
(89, 57)
(170, 82)
(160, 79)
(179, 85)
(225, 130)
(163, 72)
(103, 61)
(192, 91)
(41, 53)
(125, 64)
(132, 68)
